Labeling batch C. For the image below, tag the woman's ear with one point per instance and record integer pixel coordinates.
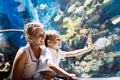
(28, 38)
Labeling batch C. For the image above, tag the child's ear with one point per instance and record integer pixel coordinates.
(49, 42)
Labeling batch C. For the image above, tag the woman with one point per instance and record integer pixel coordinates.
(27, 58)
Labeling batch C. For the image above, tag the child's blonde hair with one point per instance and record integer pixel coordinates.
(50, 35)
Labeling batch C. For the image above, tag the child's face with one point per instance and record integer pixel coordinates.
(56, 42)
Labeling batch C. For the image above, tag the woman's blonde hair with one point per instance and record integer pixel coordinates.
(29, 28)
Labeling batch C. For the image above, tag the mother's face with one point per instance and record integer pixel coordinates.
(38, 36)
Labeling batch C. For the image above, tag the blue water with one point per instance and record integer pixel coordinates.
(17, 20)
(117, 47)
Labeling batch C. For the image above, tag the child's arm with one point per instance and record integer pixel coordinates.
(59, 70)
(89, 40)
(81, 51)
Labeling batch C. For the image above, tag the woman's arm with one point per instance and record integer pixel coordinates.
(18, 65)
(81, 51)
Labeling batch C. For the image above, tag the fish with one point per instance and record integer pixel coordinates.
(115, 21)
(105, 2)
(43, 6)
(102, 43)
(87, 2)
(79, 10)
(72, 7)
(90, 11)
(57, 18)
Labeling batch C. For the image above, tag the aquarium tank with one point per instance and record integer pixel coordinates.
(75, 20)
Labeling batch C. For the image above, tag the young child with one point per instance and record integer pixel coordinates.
(53, 52)
(53, 44)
